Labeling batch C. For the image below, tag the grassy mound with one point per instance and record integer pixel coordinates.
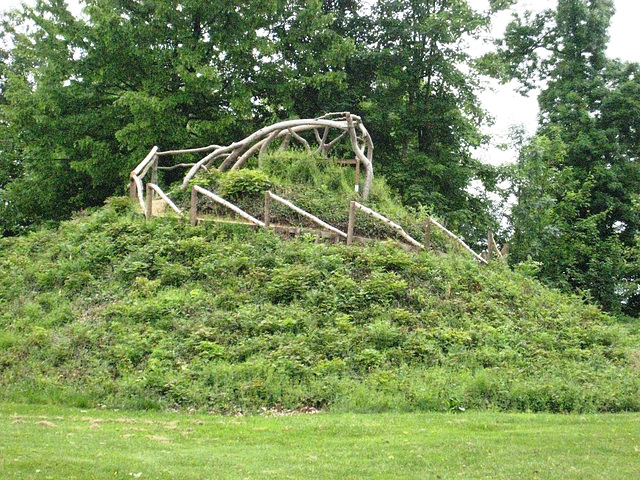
(112, 310)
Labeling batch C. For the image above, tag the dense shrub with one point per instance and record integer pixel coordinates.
(236, 184)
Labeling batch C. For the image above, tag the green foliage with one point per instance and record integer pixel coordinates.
(110, 309)
(317, 185)
(423, 110)
(577, 180)
(238, 183)
(84, 99)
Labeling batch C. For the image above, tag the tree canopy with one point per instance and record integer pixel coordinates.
(577, 181)
(84, 98)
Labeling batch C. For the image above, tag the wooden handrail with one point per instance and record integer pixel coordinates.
(459, 240)
(166, 199)
(147, 159)
(139, 188)
(311, 217)
(227, 204)
(400, 230)
(388, 222)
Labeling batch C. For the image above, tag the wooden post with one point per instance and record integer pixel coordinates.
(490, 245)
(132, 190)
(149, 202)
(267, 208)
(352, 221)
(154, 171)
(427, 233)
(357, 174)
(193, 211)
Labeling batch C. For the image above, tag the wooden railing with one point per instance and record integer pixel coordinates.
(151, 187)
(235, 155)
(194, 206)
(357, 206)
(267, 208)
(150, 163)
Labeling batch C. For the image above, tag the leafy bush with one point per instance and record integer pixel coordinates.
(236, 184)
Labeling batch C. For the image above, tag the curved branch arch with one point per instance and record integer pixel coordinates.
(236, 155)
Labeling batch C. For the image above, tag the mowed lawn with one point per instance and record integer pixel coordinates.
(44, 442)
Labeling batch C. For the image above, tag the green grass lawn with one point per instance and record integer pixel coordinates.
(44, 442)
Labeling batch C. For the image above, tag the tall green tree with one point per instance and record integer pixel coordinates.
(85, 99)
(423, 107)
(585, 106)
(39, 121)
(313, 41)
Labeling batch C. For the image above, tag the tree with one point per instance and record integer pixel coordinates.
(586, 107)
(84, 100)
(423, 110)
(533, 179)
(313, 42)
(39, 121)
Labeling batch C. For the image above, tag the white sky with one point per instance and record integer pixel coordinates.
(507, 107)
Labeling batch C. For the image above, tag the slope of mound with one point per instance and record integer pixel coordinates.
(112, 310)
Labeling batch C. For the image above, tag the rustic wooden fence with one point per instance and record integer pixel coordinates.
(235, 156)
(348, 236)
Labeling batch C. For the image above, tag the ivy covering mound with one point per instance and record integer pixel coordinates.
(112, 310)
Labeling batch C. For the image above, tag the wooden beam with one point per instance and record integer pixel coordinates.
(182, 165)
(139, 190)
(311, 217)
(148, 211)
(189, 150)
(229, 205)
(132, 190)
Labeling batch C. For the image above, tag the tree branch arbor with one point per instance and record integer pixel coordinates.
(234, 156)
(581, 173)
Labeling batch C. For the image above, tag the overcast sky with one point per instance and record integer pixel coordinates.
(510, 108)
(507, 107)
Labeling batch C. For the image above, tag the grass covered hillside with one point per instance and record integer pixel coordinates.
(112, 310)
